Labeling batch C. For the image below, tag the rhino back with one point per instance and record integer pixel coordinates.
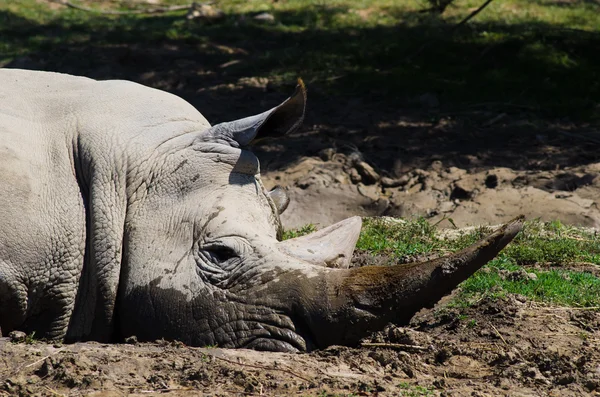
(55, 131)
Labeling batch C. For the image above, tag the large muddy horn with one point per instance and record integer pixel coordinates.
(351, 303)
(331, 247)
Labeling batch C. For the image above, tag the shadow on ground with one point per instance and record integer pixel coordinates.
(403, 96)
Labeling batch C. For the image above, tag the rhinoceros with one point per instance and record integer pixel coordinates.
(124, 212)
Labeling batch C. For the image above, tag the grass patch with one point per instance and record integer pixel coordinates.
(408, 390)
(559, 248)
(540, 242)
(540, 55)
(556, 286)
(303, 231)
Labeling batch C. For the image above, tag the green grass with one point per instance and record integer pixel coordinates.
(548, 243)
(560, 249)
(408, 390)
(304, 230)
(557, 286)
(541, 55)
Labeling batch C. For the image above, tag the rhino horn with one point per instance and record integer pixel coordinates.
(370, 297)
(331, 247)
(278, 121)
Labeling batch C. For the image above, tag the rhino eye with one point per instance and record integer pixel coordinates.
(220, 254)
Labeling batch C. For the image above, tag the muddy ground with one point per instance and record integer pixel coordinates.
(509, 347)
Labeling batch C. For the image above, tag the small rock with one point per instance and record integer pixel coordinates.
(355, 176)
(504, 384)
(264, 17)
(131, 340)
(17, 336)
(484, 332)
(517, 275)
(447, 206)
(326, 154)
(454, 173)
(205, 12)
(392, 182)
(407, 336)
(437, 166)
(521, 298)
(415, 188)
(591, 383)
(532, 372)
(368, 174)
(340, 179)
(565, 379)
(46, 369)
(371, 192)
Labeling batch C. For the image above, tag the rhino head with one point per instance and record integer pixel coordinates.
(203, 260)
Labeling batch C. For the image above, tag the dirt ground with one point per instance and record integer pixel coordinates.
(479, 168)
(510, 347)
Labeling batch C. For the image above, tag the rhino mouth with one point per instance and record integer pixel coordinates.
(293, 344)
(277, 338)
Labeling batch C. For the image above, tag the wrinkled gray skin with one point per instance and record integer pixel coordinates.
(123, 212)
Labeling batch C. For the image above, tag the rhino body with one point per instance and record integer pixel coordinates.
(124, 212)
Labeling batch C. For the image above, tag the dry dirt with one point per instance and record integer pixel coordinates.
(509, 347)
(335, 183)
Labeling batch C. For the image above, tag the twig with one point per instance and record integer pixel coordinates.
(19, 368)
(452, 30)
(262, 367)
(166, 390)
(54, 392)
(130, 12)
(471, 15)
(498, 333)
(399, 346)
(43, 358)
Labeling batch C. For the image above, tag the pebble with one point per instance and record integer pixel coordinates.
(17, 336)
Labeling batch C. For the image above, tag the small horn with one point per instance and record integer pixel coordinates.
(332, 246)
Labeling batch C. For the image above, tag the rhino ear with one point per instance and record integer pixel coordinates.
(278, 121)
(280, 198)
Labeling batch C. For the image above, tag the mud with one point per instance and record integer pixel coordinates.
(324, 192)
(508, 347)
